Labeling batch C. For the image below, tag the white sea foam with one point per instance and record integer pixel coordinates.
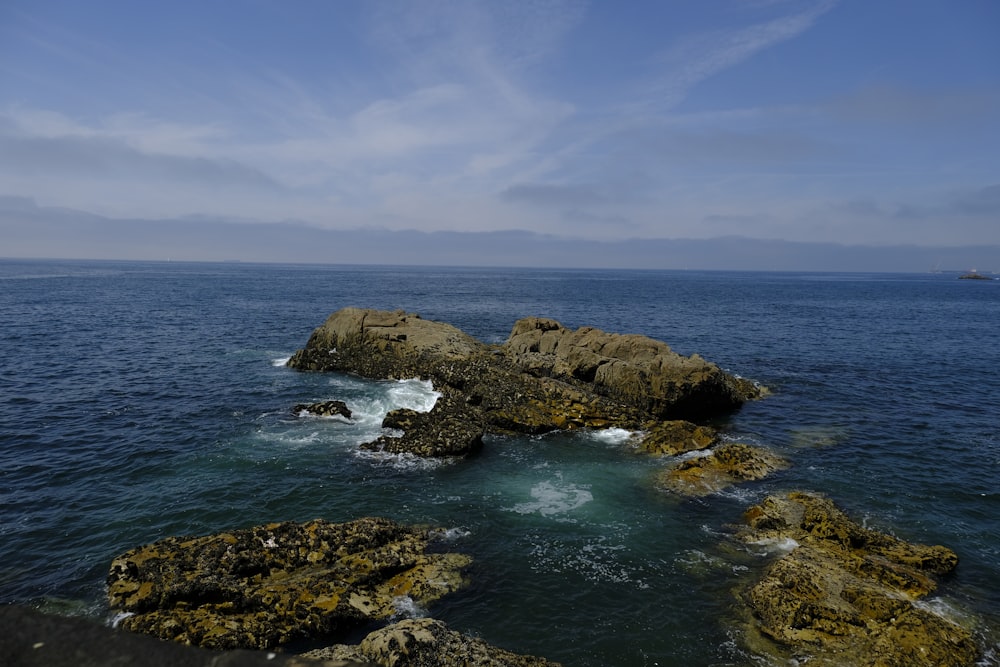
(451, 534)
(939, 606)
(281, 361)
(406, 607)
(292, 439)
(413, 394)
(305, 414)
(404, 461)
(554, 498)
(613, 436)
(119, 617)
(597, 560)
(770, 546)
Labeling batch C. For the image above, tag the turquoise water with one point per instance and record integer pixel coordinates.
(141, 400)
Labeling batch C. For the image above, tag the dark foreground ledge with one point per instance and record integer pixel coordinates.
(29, 638)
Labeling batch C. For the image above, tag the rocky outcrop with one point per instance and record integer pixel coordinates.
(847, 595)
(268, 585)
(629, 368)
(384, 345)
(726, 465)
(426, 642)
(324, 409)
(544, 378)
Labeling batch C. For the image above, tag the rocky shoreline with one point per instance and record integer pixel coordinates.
(840, 594)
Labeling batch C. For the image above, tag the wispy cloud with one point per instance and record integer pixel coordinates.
(698, 57)
(554, 115)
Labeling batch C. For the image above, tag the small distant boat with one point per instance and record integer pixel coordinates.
(974, 275)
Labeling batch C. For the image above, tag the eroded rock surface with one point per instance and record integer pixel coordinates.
(633, 369)
(544, 378)
(426, 642)
(450, 428)
(268, 585)
(673, 437)
(847, 595)
(727, 464)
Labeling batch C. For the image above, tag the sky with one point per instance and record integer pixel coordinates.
(845, 121)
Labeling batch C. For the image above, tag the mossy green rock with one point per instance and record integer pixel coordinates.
(268, 585)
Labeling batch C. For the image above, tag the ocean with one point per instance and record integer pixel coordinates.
(141, 400)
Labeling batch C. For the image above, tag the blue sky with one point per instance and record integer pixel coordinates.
(848, 121)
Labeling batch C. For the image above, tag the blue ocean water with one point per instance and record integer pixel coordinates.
(142, 400)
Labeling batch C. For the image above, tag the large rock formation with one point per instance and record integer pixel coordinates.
(426, 642)
(544, 378)
(268, 585)
(847, 595)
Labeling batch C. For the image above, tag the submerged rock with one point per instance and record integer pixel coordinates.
(543, 378)
(426, 642)
(846, 595)
(728, 464)
(268, 585)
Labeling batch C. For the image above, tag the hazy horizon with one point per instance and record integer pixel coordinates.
(38, 233)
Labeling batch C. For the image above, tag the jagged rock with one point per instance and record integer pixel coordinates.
(451, 428)
(426, 642)
(728, 464)
(674, 437)
(29, 638)
(268, 585)
(544, 378)
(845, 594)
(325, 409)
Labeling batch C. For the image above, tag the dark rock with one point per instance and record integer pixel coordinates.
(845, 594)
(426, 642)
(269, 585)
(451, 428)
(29, 638)
(325, 409)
